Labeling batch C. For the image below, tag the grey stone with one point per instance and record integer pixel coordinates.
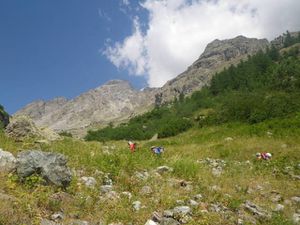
(51, 166)
(143, 175)
(181, 211)
(216, 171)
(146, 190)
(193, 203)
(228, 139)
(48, 222)
(89, 181)
(168, 213)
(79, 222)
(156, 217)
(296, 218)
(278, 208)
(106, 188)
(256, 210)
(179, 202)
(198, 197)
(295, 199)
(275, 197)
(7, 161)
(169, 221)
(151, 222)
(111, 195)
(107, 180)
(57, 216)
(164, 169)
(136, 205)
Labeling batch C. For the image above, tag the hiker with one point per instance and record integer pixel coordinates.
(157, 150)
(132, 146)
(264, 155)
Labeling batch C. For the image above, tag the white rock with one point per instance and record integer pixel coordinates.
(7, 161)
(146, 190)
(89, 181)
(164, 169)
(228, 139)
(296, 218)
(278, 208)
(151, 222)
(193, 203)
(137, 205)
(106, 188)
(296, 199)
(127, 194)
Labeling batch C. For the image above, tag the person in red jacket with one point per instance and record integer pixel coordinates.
(132, 146)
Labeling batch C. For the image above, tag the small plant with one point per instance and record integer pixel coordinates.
(33, 181)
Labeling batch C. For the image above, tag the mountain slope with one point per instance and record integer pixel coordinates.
(108, 103)
(117, 101)
(217, 55)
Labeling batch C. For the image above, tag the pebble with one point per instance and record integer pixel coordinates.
(137, 205)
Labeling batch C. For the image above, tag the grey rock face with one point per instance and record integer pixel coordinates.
(22, 127)
(111, 102)
(51, 166)
(217, 55)
(7, 161)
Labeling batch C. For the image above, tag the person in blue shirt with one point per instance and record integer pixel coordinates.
(157, 150)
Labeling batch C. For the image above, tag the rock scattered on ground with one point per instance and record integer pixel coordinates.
(164, 169)
(106, 188)
(296, 218)
(7, 161)
(51, 166)
(137, 205)
(89, 181)
(256, 210)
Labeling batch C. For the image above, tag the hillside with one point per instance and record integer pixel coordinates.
(213, 174)
(270, 76)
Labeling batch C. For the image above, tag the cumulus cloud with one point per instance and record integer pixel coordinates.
(178, 31)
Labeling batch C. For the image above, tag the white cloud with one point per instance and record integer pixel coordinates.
(179, 30)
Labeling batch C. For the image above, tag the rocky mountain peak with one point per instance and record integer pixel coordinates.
(217, 55)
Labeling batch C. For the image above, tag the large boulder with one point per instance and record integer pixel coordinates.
(22, 127)
(7, 161)
(51, 166)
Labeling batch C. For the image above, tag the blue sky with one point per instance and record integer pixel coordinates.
(52, 48)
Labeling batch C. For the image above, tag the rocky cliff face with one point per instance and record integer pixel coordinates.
(112, 102)
(117, 101)
(217, 55)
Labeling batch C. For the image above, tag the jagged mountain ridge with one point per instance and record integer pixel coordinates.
(117, 101)
(217, 55)
(110, 102)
